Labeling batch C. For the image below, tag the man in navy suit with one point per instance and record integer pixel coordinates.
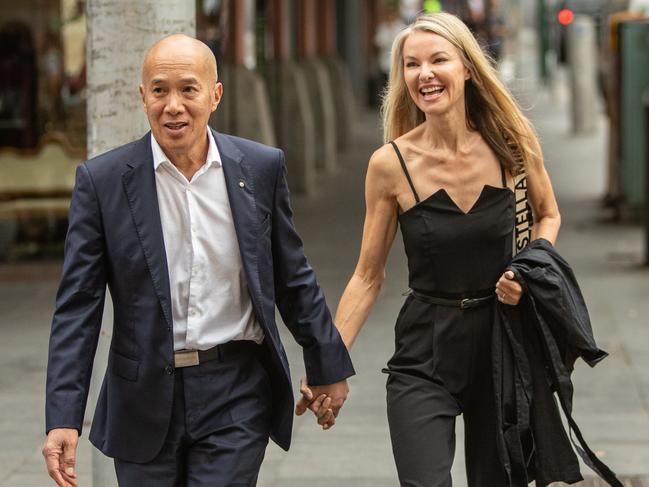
(192, 232)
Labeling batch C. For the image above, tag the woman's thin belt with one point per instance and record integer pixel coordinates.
(464, 303)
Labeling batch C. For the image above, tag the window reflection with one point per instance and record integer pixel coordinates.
(42, 122)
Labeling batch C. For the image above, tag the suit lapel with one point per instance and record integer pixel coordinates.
(241, 194)
(140, 187)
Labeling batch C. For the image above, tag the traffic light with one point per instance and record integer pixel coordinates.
(565, 16)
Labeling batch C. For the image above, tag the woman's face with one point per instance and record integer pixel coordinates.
(434, 72)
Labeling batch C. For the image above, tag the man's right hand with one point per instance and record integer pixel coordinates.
(60, 452)
(325, 401)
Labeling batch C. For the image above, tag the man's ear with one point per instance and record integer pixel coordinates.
(142, 96)
(218, 93)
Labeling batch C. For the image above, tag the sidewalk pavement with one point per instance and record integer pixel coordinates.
(611, 401)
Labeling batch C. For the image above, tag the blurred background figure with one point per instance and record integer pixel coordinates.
(497, 29)
(211, 26)
(52, 69)
(73, 34)
(387, 28)
(18, 86)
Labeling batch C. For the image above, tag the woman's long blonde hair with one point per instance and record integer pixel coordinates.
(490, 108)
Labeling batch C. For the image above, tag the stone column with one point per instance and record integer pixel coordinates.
(290, 102)
(236, 53)
(319, 85)
(326, 28)
(351, 14)
(119, 33)
(245, 109)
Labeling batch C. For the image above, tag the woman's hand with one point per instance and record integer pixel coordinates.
(508, 290)
(319, 400)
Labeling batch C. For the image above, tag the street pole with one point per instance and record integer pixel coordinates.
(645, 105)
(544, 40)
(118, 34)
(581, 50)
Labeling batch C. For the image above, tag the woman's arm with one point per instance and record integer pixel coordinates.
(547, 219)
(363, 288)
(378, 235)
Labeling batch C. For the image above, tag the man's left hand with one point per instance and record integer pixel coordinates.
(325, 401)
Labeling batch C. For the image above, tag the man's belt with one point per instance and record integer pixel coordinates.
(464, 303)
(188, 358)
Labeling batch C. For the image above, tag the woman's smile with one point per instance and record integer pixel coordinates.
(431, 92)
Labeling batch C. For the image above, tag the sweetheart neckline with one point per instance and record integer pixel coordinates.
(462, 212)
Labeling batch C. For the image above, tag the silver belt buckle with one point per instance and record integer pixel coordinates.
(186, 358)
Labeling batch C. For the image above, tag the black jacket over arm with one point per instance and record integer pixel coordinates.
(535, 346)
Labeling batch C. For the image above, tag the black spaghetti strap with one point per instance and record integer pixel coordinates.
(405, 170)
(503, 176)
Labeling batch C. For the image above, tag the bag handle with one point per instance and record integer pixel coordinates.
(524, 218)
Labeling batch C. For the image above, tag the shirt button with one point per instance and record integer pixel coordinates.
(169, 370)
(241, 184)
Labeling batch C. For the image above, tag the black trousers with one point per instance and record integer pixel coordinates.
(219, 427)
(442, 368)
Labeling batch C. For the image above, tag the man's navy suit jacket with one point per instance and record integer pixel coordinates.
(115, 239)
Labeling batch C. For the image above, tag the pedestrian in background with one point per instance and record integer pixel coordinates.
(388, 28)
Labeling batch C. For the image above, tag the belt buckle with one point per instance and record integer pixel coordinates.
(464, 304)
(186, 358)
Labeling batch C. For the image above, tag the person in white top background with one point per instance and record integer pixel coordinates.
(387, 29)
(192, 232)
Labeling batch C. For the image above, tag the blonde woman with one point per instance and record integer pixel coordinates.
(445, 176)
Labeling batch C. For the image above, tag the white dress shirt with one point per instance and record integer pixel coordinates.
(210, 302)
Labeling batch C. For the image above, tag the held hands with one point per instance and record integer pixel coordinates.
(325, 401)
(60, 451)
(508, 290)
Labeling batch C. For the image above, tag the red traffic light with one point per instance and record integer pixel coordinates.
(565, 16)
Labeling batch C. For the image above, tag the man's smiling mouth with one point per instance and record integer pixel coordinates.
(175, 125)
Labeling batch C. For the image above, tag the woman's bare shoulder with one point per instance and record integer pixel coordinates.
(383, 170)
(384, 160)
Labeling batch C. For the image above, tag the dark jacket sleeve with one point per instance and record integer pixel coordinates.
(79, 306)
(300, 299)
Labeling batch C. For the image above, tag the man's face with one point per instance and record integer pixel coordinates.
(179, 92)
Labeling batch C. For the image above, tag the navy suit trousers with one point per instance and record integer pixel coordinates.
(219, 428)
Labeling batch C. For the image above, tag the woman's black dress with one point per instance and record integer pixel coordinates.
(441, 366)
